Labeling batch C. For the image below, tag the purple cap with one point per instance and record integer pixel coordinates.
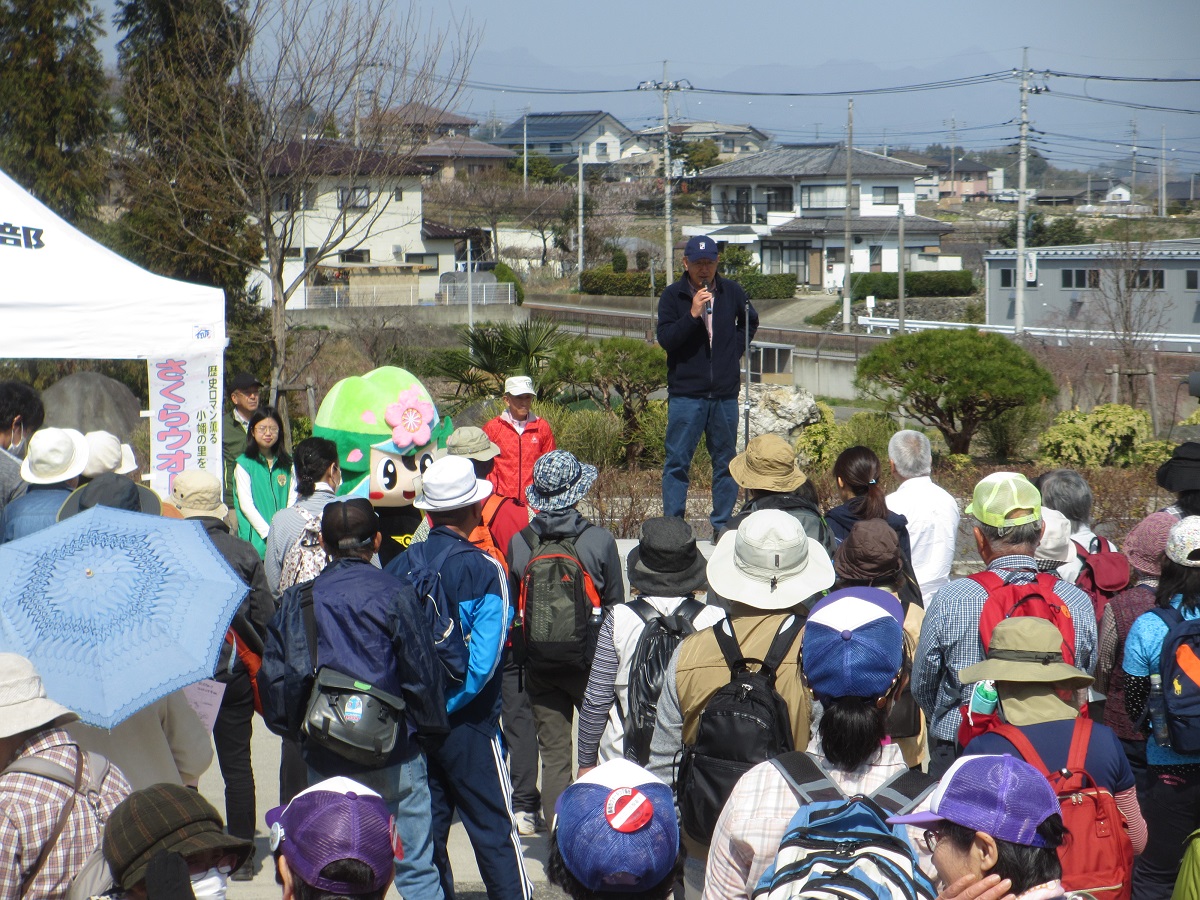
(701, 246)
(616, 828)
(1002, 796)
(334, 820)
(853, 643)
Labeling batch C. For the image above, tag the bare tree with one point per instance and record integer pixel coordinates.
(306, 75)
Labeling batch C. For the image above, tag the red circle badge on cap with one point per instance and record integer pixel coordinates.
(628, 809)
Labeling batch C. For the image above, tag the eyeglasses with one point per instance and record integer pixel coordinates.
(266, 430)
(932, 838)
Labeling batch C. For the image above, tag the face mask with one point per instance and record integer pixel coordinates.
(16, 448)
(210, 885)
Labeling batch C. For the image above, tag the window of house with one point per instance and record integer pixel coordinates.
(1006, 278)
(886, 196)
(291, 252)
(423, 259)
(601, 129)
(779, 198)
(1146, 279)
(727, 145)
(310, 196)
(355, 256)
(282, 201)
(1191, 279)
(823, 196)
(398, 194)
(1081, 278)
(354, 198)
(556, 148)
(835, 254)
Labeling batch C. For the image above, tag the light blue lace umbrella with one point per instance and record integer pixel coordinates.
(116, 609)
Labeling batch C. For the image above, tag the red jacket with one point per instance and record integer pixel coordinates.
(513, 471)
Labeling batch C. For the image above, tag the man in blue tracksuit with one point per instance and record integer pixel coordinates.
(467, 773)
(702, 326)
(372, 627)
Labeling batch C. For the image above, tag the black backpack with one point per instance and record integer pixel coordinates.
(745, 723)
(559, 608)
(660, 636)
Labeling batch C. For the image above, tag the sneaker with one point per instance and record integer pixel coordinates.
(246, 872)
(529, 823)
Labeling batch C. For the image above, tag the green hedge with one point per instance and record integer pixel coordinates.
(603, 280)
(885, 285)
(503, 273)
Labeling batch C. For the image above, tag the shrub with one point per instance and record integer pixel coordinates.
(820, 443)
(768, 287)
(886, 285)
(1112, 434)
(871, 429)
(642, 258)
(1011, 434)
(603, 280)
(505, 274)
(620, 262)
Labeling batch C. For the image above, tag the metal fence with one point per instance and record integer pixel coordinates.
(331, 296)
(481, 294)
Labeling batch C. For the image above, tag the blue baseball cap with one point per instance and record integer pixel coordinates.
(853, 643)
(701, 246)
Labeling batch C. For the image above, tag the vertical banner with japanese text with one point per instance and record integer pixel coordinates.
(185, 415)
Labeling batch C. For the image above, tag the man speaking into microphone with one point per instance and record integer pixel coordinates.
(702, 326)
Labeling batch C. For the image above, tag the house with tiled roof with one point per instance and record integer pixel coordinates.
(413, 124)
(787, 205)
(462, 154)
(732, 141)
(588, 136)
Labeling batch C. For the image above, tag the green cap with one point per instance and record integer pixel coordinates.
(999, 494)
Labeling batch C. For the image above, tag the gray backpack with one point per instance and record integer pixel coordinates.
(94, 879)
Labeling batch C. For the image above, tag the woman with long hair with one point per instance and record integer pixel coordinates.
(1174, 777)
(318, 477)
(262, 478)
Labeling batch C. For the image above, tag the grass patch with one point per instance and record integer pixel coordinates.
(822, 317)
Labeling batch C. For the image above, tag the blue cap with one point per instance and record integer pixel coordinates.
(853, 644)
(701, 246)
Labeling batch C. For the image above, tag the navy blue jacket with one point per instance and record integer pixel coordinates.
(369, 626)
(693, 368)
(475, 586)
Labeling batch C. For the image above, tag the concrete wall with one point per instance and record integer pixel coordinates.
(824, 374)
(397, 317)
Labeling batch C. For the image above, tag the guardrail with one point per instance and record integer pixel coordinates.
(1062, 337)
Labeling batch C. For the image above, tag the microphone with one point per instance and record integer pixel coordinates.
(708, 305)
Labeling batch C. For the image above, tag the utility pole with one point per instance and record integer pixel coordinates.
(1162, 177)
(847, 290)
(525, 151)
(579, 254)
(900, 269)
(1022, 173)
(470, 286)
(666, 87)
(953, 123)
(1133, 173)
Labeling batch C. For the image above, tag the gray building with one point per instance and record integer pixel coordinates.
(1152, 287)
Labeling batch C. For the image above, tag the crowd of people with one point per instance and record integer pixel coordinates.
(703, 724)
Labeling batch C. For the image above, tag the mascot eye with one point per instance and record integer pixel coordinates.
(388, 476)
(426, 461)
(410, 463)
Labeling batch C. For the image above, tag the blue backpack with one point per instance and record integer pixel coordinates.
(1179, 666)
(841, 848)
(425, 575)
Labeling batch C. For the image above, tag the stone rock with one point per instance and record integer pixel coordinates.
(776, 409)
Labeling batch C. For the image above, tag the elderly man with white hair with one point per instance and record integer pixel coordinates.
(932, 512)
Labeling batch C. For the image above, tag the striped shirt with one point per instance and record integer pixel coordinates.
(29, 809)
(950, 639)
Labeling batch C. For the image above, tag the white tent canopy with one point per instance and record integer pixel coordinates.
(62, 295)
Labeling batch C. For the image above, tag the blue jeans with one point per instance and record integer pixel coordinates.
(405, 788)
(687, 419)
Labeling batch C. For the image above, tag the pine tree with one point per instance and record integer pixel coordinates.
(53, 102)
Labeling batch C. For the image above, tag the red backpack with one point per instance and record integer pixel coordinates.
(1036, 598)
(1105, 573)
(1097, 856)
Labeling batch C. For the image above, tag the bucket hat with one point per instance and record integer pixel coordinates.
(104, 453)
(335, 819)
(1026, 649)
(164, 817)
(559, 481)
(450, 483)
(55, 455)
(769, 563)
(870, 553)
(1146, 542)
(616, 829)
(666, 561)
(198, 493)
(999, 494)
(1182, 471)
(1183, 543)
(128, 463)
(1055, 547)
(472, 443)
(767, 464)
(24, 705)
(1002, 796)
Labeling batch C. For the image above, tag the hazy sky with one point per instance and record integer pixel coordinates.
(779, 46)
